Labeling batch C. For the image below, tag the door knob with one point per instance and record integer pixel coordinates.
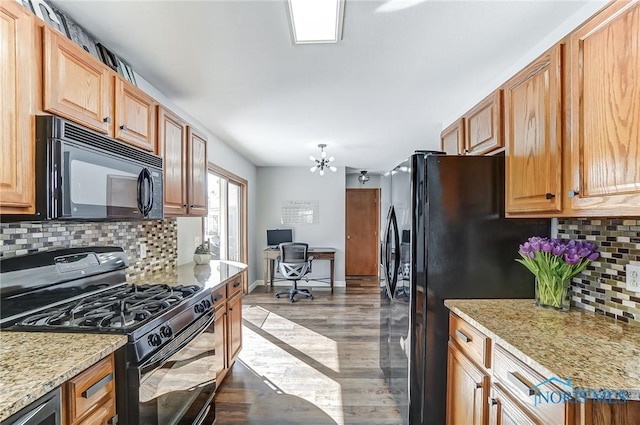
(348, 237)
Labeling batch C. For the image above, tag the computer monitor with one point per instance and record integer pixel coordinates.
(277, 236)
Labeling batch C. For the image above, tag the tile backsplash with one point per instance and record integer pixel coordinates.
(602, 286)
(160, 237)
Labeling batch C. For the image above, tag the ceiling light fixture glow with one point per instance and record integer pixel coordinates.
(363, 177)
(316, 21)
(323, 162)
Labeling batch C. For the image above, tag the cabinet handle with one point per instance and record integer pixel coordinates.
(549, 195)
(493, 402)
(478, 385)
(123, 127)
(191, 206)
(236, 284)
(466, 151)
(218, 298)
(184, 206)
(97, 386)
(113, 421)
(107, 120)
(573, 193)
(462, 336)
(520, 384)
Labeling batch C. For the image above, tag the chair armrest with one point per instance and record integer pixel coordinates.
(278, 258)
(310, 258)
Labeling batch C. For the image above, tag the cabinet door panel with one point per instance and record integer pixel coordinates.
(533, 134)
(452, 138)
(234, 313)
(17, 68)
(197, 173)
(135, 113)
(605, 60)
(172, 146)
(76, 86)
(483, 126)
(220, 335)
(467, 388)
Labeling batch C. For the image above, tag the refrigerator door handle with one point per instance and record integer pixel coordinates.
(391, 263)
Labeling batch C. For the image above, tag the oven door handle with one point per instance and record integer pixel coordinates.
(180, 341)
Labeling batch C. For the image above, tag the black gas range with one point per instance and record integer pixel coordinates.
(164, 373)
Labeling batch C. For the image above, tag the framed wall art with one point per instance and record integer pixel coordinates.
(44, 11)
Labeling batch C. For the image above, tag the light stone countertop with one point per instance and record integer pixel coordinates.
(34, 363)
(594, 351)
(208, 276)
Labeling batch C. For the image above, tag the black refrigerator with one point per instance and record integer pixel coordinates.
(444, 237)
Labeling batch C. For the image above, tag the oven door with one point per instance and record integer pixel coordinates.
(177, 384)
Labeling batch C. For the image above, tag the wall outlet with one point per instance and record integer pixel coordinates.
(143, 250)
(633, 277)
(196, 241)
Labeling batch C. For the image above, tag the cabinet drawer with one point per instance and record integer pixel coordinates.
(474, 344)
(234, 286)
(87, 389)
(219, 297)
(522, 382)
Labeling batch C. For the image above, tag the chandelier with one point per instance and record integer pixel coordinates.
(323, 162)
(363, 177)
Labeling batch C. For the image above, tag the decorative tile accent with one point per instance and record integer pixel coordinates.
(602, 286)
(160, 236)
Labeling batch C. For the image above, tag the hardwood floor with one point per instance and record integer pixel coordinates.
(313, 362)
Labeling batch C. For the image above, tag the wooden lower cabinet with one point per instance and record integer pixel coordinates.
(234, 326)
(90, 397)
(227, 302)
(467, 390)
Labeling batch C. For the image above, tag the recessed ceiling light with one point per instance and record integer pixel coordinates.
(316, 21)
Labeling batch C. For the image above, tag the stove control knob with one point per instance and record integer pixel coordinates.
(198, 308)
(206, 303)
(166, 331)
(154, 340)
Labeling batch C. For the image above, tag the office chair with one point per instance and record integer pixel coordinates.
(294, 265)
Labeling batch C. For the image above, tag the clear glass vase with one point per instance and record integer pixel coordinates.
(553, 292)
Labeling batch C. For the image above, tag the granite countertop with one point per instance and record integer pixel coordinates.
(594, 351)
(207, 276)
(34, 363)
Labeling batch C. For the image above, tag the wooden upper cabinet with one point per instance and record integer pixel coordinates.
(75, 85)
(172, 146)
(17, 83)
(135, 115)
(197, 173)
(483, 126)
(452, 138)
(533, 133)
(467, 390)
(605, 111)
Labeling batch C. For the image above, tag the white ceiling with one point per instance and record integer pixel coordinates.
(382, 92)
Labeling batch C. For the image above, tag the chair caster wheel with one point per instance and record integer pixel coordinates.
(311, 297)
(277, 296)
(292, 300)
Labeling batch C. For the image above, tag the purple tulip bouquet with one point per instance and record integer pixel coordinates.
(554, 262)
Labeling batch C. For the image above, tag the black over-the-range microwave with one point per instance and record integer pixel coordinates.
(84, 175)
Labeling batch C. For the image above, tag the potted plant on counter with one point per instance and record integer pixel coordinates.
(202, 255)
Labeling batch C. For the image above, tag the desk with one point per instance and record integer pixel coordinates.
(270, 255)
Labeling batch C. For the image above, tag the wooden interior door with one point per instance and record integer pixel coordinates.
(362, 232)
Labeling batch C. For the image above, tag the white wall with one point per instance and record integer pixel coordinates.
(277, 184)
(224, 156)
(353, 183)
(590, 8)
